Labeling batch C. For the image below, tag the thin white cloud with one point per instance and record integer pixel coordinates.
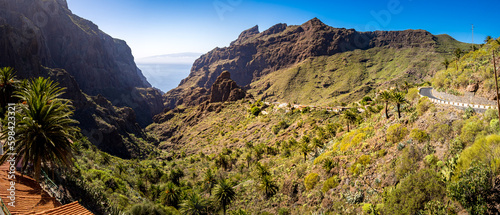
(177, 58)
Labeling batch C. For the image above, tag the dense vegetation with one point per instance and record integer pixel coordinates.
(472, 66)
(285, 161)
(392, 152)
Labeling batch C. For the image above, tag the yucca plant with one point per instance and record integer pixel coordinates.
(44, 128)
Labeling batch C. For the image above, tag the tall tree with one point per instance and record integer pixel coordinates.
(194, 205)
(488, 39)
(45, 129)
(8, 85)
(224, 194)
(209, 181)
(171, 195)
(268, 186)
(406, 86)
(350, 118)
(386, 97)
(305, 149)
(458, 54)
(446, 63)
(399, 98)
(317, 144)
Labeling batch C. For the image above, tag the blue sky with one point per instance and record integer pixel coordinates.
(157, 27)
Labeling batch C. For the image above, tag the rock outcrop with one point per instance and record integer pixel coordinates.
(254, 55)
(35, 33)
(224, 89)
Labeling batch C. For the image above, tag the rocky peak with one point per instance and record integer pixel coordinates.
(224, 89)
(275, 29)
(314, 23)
(63, 3)
(246, 34)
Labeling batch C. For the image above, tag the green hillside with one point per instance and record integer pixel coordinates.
(470, 67)
(348, 76)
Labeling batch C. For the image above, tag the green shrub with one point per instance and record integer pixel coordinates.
(368, 208)
(283, 211)
(468, 113)
(330, 183)
(472, 188)
(147, 209)
(412, 94)
(470, 130)
(358, 167)
(381, 153)
(439, 132)
(281, 125)
(486, 150)
(490, 114)
(419, 135)
(423, 105)
(406, 162)
(255, 111)
(495, 125)
(431, 160)
(405, 199)
(436, 207)
(311, 180)
(396, 133)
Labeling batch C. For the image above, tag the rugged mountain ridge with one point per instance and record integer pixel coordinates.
(112, 98)
(256, 54)
(47, 33)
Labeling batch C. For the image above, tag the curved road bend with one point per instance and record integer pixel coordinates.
(427, 91)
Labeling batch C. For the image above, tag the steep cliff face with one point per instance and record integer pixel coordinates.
(112, 98)
(45, 32)
(254, 54)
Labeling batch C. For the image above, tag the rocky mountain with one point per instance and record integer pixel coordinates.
(46, 33)
(112, 98)
(255, 54)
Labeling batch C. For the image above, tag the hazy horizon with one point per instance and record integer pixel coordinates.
(164, 27)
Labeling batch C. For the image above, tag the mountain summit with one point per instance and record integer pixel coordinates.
(255, 55)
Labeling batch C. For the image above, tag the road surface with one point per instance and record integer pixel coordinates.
(427, 91)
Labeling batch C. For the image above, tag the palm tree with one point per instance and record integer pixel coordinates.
(171, 195)
(386, 96)
(224, 194)
(262, 170)
(223, 161)
(446, 63)
(458, 54)
(349, 117)
(268, 186)
(488, 39)
(406, 86)
(44, 127)
(305, 149)
(194, 205)
(317, 144)
(8, 85)
(399, 98)
(209, 181)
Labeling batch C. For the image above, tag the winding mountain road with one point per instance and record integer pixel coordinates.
(427, 91)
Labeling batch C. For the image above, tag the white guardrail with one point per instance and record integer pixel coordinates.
(458, 104)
